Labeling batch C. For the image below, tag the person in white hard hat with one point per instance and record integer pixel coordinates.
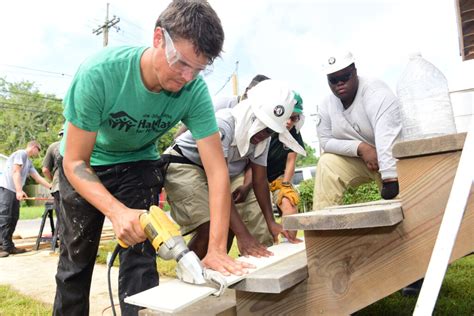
(245, 135)
(357, 126)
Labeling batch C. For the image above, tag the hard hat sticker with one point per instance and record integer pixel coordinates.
(279, 110)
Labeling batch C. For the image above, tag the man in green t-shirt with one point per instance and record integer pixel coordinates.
(120, 102)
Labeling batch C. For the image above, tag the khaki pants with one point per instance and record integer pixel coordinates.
(188, 196)
(335, 174)
(251, 214)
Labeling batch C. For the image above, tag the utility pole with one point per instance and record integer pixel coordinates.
(235, 79)
(104, 28)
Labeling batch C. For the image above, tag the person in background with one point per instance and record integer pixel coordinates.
(357, 126)
(120, 102)
(245, 134)
(50, 169)
(281, 163)
(17, 168)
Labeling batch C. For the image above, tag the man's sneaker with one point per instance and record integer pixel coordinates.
(15, 250)
(4, 253)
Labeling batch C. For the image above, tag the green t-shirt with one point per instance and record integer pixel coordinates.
(108, 96)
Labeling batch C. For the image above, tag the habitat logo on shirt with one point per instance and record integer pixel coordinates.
(121, 121)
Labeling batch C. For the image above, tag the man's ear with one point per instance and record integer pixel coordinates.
(157, 37)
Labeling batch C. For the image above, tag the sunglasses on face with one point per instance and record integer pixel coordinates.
(344, 78)
(178, 63)
(295, 118)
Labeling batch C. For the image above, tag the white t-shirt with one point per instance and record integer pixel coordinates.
(19, 157)
(373, 118)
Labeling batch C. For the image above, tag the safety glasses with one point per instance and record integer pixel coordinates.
(295, 118)
(342, 78)
(180, 64)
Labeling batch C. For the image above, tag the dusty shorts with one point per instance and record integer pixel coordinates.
(187, 194)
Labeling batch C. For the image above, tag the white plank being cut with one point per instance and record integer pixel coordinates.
(175, 295)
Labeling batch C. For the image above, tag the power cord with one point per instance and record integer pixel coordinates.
(110, 263)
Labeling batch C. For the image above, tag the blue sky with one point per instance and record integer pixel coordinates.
(283, 39)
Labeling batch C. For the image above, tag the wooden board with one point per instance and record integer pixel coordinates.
(372, 214)
(276, 278)
(175, 295)
(435, 145)
(350, 269)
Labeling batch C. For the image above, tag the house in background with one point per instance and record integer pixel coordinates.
(462, 98)
(465, 17)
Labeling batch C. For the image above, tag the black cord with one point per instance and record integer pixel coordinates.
(109, 266)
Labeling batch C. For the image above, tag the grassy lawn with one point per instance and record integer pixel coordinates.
(455, 298)
(31, 212)
(14, 303)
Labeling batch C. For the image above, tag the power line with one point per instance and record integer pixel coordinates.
(225, 83)
(18, 107)
(39, 70)
(133, 24)
(32, 95)
(232, 75)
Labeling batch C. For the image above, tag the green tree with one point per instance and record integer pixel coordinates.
(309, 160)
(27, 114)
(166, 140)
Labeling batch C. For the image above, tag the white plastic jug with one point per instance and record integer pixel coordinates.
(425, 105)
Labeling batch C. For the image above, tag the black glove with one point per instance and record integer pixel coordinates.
(389, 190)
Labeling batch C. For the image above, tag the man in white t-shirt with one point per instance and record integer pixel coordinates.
(17, 169)
(357, 126)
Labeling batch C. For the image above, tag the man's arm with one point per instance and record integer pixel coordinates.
(262, 193)
(329, 143)
(241, 192)
(212, 157)
(48, 163)
(16, 175)
(76, 163)
(47, 174)
(290, 167)
(40, 180)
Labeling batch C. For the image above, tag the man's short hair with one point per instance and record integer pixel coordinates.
(33, 143)
(196, 21)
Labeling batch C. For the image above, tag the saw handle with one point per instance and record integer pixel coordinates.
(123, 244)
(157, 227)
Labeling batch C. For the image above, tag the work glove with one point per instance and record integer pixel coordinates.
(389, 190)
(287, 191)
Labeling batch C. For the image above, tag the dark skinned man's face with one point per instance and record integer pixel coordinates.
(344, 84)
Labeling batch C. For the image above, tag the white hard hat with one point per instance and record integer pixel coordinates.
(337, 62)
(272, 102)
